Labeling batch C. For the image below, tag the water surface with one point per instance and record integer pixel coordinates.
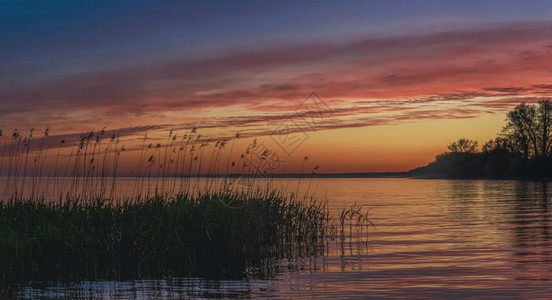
(433, 238)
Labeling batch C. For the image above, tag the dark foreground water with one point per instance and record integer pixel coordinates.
(433, 238)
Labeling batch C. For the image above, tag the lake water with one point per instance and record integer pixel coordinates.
(432, 238)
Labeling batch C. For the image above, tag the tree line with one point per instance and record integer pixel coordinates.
(521, 150)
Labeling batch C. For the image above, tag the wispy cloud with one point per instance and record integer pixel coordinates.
(367, 81)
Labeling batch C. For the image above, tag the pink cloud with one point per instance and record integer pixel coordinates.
(358, 77)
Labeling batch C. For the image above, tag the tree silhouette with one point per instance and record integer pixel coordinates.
(545, 127)
(523, 149)
(464, 145)
(529, 127)
(498, 145)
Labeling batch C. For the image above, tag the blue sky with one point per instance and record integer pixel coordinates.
(240, 65)
(47, 38)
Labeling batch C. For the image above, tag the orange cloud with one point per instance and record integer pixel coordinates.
(368, 81)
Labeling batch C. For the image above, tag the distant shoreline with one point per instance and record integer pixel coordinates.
(329, 175)
(292, 175)
(407, 174)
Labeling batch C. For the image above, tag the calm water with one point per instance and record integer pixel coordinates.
(433, 238)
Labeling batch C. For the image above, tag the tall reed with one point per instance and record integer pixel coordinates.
(186, 212)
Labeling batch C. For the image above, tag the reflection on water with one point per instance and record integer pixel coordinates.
(172, 288)
(433, 238)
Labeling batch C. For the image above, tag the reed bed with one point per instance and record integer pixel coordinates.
(62, 218)
(88, 167)
(180, 236)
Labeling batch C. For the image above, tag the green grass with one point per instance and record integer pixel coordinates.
(64, 220)
(180, 236)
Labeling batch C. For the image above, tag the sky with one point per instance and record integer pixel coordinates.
(356, 86)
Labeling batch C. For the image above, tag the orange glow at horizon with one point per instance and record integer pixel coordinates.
(389, 148)
(393, 101)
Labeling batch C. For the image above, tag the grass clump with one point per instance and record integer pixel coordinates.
(66, 214)
(180, 236)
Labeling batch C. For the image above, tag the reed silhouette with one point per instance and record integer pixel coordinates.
(65, 216)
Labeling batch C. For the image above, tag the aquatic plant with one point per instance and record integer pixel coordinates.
(184, 235)
(70, 223)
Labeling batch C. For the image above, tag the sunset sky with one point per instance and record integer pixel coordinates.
(357, 86)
